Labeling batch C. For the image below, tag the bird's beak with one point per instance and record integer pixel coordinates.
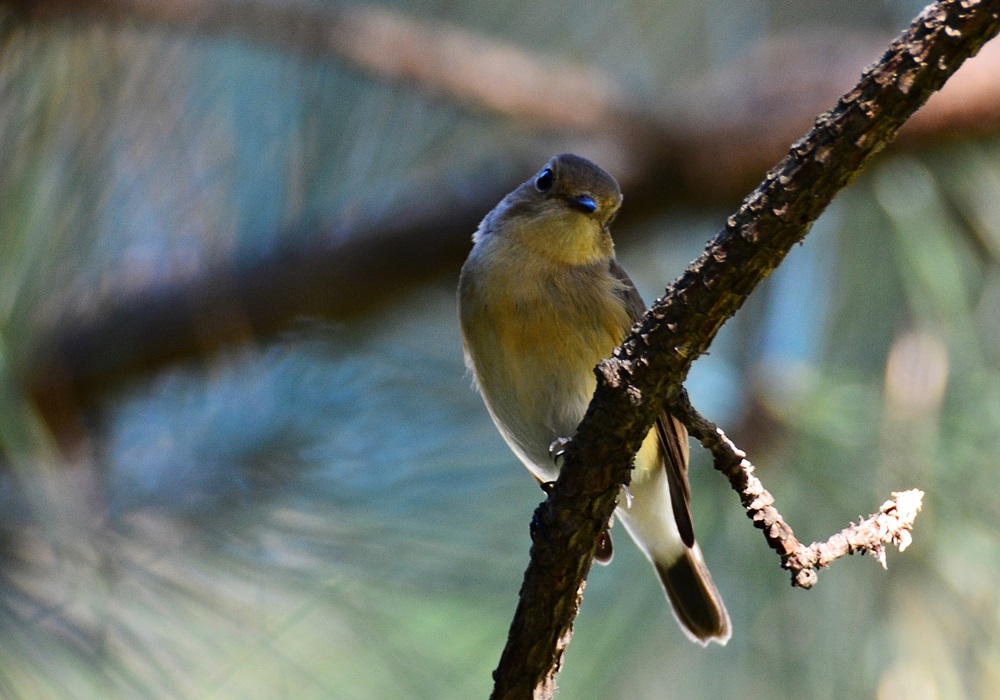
(584, 203)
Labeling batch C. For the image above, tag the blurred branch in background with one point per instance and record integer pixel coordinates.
(708, 145)
(740, 119)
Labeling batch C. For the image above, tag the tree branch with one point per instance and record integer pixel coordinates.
(891, 525)
(646, 372)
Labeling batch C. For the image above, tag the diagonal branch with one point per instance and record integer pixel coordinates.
(646, 372)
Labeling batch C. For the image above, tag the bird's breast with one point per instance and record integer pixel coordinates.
(533, 344)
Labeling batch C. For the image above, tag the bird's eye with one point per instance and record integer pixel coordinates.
(543, 183)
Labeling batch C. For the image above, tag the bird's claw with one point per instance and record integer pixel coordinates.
(557, 451)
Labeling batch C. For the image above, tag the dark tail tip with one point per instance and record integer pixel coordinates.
(697, 604)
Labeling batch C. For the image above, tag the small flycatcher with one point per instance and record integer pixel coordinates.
(541, 301)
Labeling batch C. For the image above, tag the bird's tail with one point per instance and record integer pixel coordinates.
(696, 602)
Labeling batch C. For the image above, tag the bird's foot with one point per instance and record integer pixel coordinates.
(557, 451)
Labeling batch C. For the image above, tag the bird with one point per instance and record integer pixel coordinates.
(541, 300)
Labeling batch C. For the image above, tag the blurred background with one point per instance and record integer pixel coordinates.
(239, 454)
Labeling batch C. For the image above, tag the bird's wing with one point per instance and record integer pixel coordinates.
(673, 435)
